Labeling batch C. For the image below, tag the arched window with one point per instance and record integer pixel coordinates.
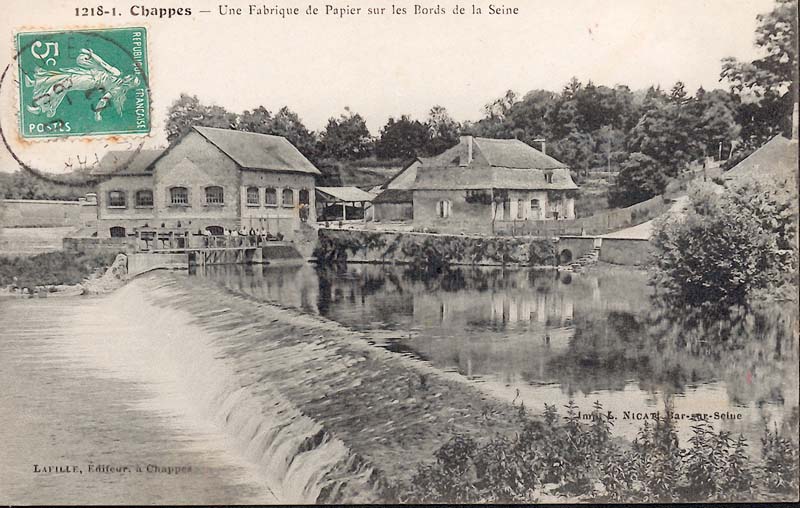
(116, 199)
(179, 196)
(443, 209)
(215, 195)
(117, 232)
(144, 199)
(303, 197)
(270, 197)
(215, 230)
(287, 197)
(252, 196)
(520, 209)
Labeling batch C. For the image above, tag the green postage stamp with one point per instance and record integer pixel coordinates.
(83, 82)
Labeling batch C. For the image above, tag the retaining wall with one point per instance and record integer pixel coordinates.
(429, 250)
(626, 251)
(92, 244)
(598, 224)
(27, 213)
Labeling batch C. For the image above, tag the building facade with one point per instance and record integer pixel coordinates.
(485, 186)
(211, 179)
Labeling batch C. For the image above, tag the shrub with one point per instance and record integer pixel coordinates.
(726, 246)
(565, 456)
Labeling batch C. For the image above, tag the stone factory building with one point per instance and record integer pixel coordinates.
(487, 186)
(210, 179)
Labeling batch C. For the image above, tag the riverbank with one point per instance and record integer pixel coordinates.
(78, 271)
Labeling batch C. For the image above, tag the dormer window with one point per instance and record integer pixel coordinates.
(548, 177)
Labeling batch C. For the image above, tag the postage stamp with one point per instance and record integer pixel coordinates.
(83, 82)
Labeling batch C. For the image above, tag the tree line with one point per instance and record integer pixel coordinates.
(646, 135)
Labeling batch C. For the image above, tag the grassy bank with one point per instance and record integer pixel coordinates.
(51, 268)
(562, 458)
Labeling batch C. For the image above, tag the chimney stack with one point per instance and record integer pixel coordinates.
(466, 161)
(795, 115)
(544, 144)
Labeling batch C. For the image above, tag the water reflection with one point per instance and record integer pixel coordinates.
(556, 336)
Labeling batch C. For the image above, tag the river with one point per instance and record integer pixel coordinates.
(537, 337)
(347, 380)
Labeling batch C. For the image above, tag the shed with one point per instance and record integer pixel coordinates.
(352, 202)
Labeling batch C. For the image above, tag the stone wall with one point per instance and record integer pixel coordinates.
(598, 224)
(576, 246)
(626, 251)
(431, 250)
(39, 213)
(393, 212)
(95, 244)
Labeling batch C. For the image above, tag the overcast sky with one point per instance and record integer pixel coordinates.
(383, 66)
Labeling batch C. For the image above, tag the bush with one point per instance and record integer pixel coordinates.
(567, 457)
(726, 247)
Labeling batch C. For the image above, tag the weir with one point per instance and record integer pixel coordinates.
(182, 251)
(322, 415)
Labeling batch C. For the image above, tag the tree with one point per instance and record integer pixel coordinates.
(187, 112)
(640, 178)
(664, 134)
(575, 150)
(771, 80)
(346, 137)
(255, 120)
(401, 139)
(716, 129)
(443, 131)
(726, 247)
(288, 124)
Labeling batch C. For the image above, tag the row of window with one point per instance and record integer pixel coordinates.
(271, 197)
(444, 207)
(215, 195)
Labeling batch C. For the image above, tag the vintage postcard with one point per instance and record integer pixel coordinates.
(390, 252)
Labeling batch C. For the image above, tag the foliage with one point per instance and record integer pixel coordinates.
(430, 254)
(443, 131)
(24, 184)
(284, 123)
(51, 268)
(402, 138)
(346, 137)
(780, 456)
(725, 247)
(771, 79)
(187, 111)
(639, 179)
(564, 456)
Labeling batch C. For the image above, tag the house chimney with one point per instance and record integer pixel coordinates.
(795, 115)
(466, 161)
(544, 144)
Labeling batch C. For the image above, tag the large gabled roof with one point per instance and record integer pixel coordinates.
(493, 163)
(127, 162)
(513, 153)
(251, 150)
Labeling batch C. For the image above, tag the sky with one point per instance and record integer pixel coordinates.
(387, 65)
